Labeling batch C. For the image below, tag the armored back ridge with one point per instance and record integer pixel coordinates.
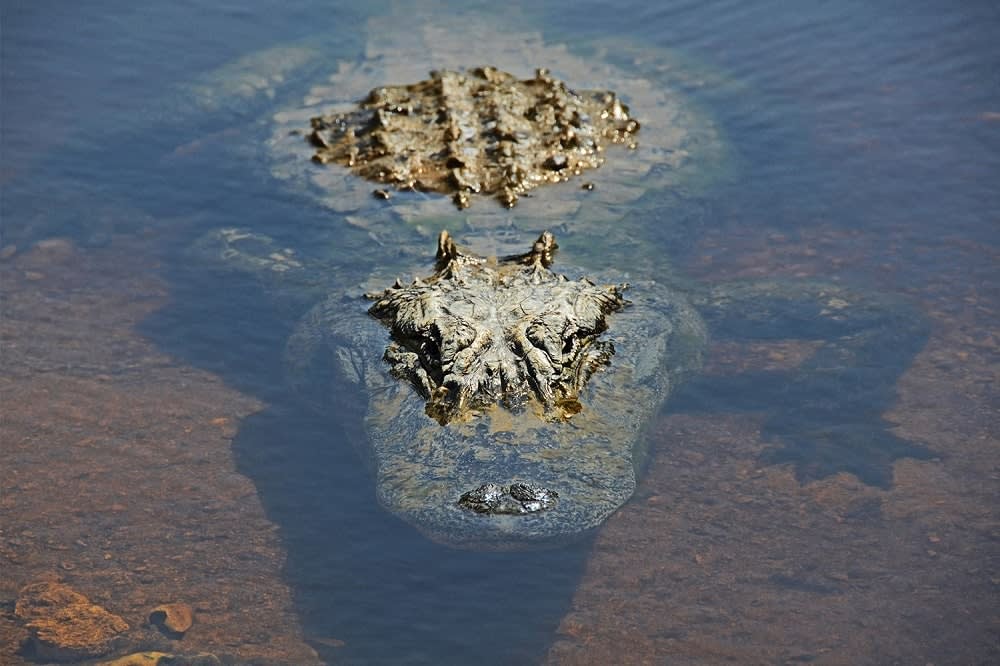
(482, 131)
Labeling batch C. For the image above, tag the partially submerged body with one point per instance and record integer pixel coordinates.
(489, 431)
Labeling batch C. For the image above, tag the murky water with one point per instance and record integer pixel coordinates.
(146, 418)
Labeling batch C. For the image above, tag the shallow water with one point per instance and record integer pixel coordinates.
(868, 149)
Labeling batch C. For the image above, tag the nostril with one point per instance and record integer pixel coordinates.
(515, 499)
(484, 499)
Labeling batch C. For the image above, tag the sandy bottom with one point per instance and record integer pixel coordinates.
(119, 478)
(720, 559)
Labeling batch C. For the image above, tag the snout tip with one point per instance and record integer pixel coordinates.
(516, 499)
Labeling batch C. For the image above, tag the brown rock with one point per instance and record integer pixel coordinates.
(152, 658)
(64, 624)
(55, 249)
(172, 618)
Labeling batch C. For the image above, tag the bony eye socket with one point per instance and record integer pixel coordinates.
(569, 345)
(430, 347)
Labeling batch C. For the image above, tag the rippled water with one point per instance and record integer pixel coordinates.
(867, 140)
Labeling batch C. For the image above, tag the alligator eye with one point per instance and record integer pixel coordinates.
(569, 345)
(430, 348)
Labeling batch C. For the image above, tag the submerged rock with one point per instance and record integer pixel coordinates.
(64, 624)
(154, 658)
(174, 619)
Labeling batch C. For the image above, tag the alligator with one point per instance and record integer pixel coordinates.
(508, 398)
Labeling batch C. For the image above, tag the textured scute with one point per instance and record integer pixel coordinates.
(511, 332)
(477, 132)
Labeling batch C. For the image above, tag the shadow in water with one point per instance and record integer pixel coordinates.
(364, 577)
(368, 587)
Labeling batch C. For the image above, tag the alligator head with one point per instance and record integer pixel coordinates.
(480, 333)
(507, 409)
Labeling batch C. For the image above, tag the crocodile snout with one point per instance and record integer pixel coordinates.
(515, 499)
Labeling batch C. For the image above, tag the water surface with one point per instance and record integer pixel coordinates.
(868, 145)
